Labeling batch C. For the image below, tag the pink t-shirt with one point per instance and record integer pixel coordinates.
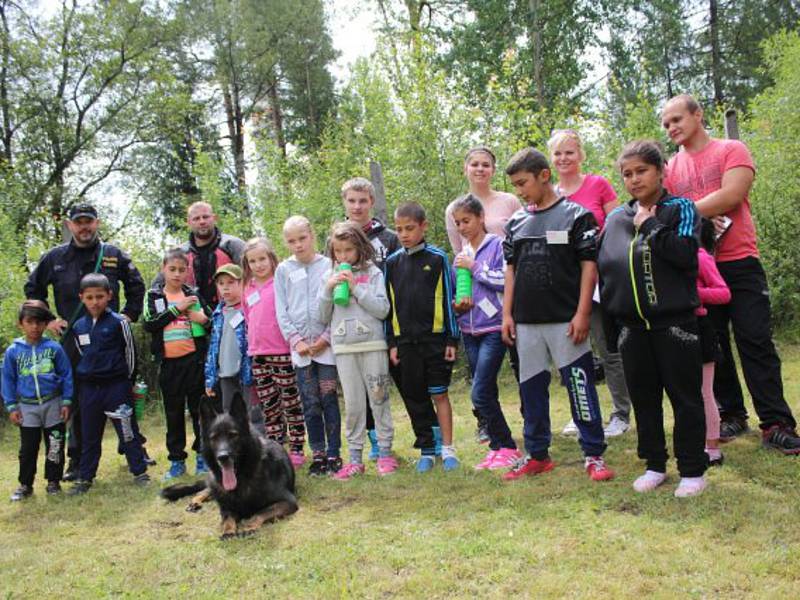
(496, 214)
(711, 287)
(698, 174)
(264, 337)
(595, 192)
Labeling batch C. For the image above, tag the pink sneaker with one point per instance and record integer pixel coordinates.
(298, 459)
(486, 463)
(505, 458)
(386, 465)
(348, 471)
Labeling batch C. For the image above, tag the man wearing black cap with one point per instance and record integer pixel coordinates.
(64, 266)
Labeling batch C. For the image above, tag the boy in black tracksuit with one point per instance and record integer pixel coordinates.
(648, 268)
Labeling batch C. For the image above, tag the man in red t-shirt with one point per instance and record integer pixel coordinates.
(717, 175)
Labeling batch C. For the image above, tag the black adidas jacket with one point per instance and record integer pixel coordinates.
(156, 320)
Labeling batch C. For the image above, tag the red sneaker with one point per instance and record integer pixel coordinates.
(597, 469)
(528, 466)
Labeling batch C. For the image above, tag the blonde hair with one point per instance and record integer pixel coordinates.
(253, 244)
(358, 184)
(297, 222)
(564, 135)
(350, 232)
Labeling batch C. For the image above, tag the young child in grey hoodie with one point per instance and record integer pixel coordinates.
(359, 345)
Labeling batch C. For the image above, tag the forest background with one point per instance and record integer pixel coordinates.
(143, 107)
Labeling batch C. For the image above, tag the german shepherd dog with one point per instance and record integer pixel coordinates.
(250, 477)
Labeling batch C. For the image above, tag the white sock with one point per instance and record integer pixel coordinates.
(448, 451)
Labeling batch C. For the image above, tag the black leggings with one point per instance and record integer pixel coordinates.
(30, 440)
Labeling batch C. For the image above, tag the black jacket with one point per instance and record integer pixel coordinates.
(64, 266)
(383, 239)
(156, 320)
(107, 350)
(648, 276)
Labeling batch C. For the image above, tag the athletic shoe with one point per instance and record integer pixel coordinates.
(150, 462)
(690, 486)
(615, 427)
(451, 463)
(142, 479)
(387, 465)
(349, 471)
(597, 469)
(570, 429)
(505, 458)
(374, 451)
(200, 466)
(22, 492)
(80, 488)
(334, 464)
(487, 461)
(528, 466)
(298, 459)
(71, 474)
(649, 481)
(318, 466)
(176, 469)
(730, 429)
(781, 438)
(425, 463)
(53, 488)
(715, 457)
(482, 434)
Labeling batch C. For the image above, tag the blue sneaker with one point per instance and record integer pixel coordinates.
(200, 467)
(177, 469)
(437, 441)
(425, 463)
(374, 452)
(450, 463)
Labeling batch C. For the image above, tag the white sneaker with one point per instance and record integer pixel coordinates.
(649, 481)
(615, 427)
(570, 429)
(690, 486)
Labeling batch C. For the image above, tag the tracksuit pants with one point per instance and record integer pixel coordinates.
(612, 364)
(30, 441)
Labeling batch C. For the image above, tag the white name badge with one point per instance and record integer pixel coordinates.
(253, 298)
(487, 307)
(160, 305)
(557, 237)
(236, 319)
(84, 339)
(298, 275)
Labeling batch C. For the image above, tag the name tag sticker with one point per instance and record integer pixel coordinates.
(487, 307)
(253, 298)
(236, 319)
(298, 275)
(84, 339)
(557, 237)
(160, 305)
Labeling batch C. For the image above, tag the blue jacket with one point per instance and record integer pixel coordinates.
(212, 358)
(488, 282)
(35, 374)
(107, 349)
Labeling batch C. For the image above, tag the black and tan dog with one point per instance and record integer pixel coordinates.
(250, 477)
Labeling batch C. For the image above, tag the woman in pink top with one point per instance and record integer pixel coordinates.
(594, 193)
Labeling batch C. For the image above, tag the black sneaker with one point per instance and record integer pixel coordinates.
(730, 429)
(142, 479)
(150, 462)
(318, 466)
(71, 474)
(482, 434)
(334, 464)
(716, 462)
(80, 488)
(53, 488)
(22, 492)
(781, 438)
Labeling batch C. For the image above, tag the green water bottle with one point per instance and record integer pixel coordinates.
(463, 284)
(341, 293)
(139, 397)
(197, 329)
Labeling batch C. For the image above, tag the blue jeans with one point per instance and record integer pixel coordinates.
(485, 355)
(317, 385)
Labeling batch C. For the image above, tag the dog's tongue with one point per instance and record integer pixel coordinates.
(228, 478)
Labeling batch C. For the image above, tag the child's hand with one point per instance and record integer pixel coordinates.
(578, 328)
(302, 348)
(450, 353)
(186, 303)
(508, 331)
(393, 358)
(464, 306)
(198, 317)
(210, 392)
(64, 413)
(464, 261)
(15, 417)
(318, 347)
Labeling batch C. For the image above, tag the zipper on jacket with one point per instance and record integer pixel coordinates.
(633, 279)
(34, 369)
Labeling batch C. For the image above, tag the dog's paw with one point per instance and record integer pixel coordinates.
(243, 533)
(227, 536)
(193, 508)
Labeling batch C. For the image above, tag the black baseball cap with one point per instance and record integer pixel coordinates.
(82, 210)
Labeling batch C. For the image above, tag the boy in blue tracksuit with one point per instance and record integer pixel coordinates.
(105, 371)
(37, 392)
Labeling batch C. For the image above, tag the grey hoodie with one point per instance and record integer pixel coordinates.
(357, 327)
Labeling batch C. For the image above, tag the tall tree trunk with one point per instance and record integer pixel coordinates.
(5, 109)
(233, 119)
(536, 39)
(716, 58)
(276, 115)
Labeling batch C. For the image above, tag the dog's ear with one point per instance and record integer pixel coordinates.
(238, 410)
(207, 412)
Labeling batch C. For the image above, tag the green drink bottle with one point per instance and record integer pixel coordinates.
(463, 284)
(197, 329)
(341, 293)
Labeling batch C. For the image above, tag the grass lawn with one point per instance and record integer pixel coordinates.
(455, 535)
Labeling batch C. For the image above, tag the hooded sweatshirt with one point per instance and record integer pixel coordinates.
(36, 374)
(488, 282)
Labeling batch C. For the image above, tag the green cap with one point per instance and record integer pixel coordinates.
(231, 269)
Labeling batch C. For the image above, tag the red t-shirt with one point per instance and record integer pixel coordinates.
(595, 192)
(696, 175)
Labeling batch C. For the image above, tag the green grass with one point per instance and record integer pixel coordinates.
(463, 535)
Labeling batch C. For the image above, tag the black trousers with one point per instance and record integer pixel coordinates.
(749, 315)
(667, 359)
(30, 441)
(182, 384)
